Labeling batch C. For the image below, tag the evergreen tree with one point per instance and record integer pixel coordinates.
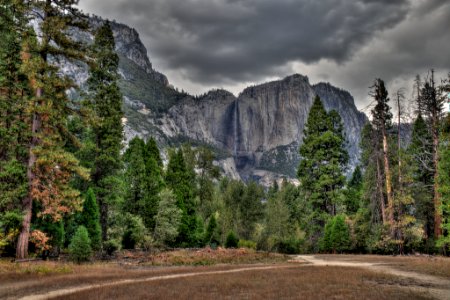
(107, 128)
(353, 193)
(90, 218)
(14, 96)
(323, 160)
(382, 122)
(154, 183)
(135, 176)
(80, 246)
(250, 210)
(278, 226)
(50, 167)
(179, 179)
(336, 236)
(167, 219)
(232, 240)
(444, 184)
(152, 150)
(420, 150)
(207, 173)
(211, 234)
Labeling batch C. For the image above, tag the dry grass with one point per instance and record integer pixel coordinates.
(294, 282)
(30, 277)
(208, 256)
(431, 265)
(290, 281)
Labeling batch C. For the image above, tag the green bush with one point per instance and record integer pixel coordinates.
(80, 247)
(134, 233)
(232, 240)
(247, 244)
(211, 235)
(290, 246)
(336, 237)
(111, 246)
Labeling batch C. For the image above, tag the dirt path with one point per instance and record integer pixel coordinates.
(440, 289)
(67, 291)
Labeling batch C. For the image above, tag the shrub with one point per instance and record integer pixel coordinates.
(80, 247)
(134, 233)
(10, 224)
(232, 240)
(111, 246)
(211, 236)
(290, 246)
(336, 236)
(247, 244)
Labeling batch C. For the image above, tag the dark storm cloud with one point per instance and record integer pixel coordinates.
(202, 44)
(234, 40)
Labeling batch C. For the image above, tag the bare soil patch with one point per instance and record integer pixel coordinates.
(431, 265)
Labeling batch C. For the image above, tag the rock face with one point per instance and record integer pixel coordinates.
(263, 127)
(255, 135)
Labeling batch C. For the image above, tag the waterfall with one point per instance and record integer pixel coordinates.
(235, 129)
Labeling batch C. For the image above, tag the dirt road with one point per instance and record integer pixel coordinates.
(440, 287)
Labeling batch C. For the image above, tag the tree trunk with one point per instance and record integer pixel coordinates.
(22, 243)
(388, 179)
(380, 191)
(435, 133)
(400, 180)
(437, 196)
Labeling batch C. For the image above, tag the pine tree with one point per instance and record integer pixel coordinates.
(152, 150)
(382, 121)
(421, 152)
(108, 131)
(444, 184)
(433, 105)
(167, 219)
(323, 160)
(207, 173)
(250, 210)
(14, 95)
(80, 246)
(179, 180)
(135, 176)
(211, 234)
(373, 184)
(154, 183)
(50, 167)
(278, 226)
(90, 218)
(354, 191)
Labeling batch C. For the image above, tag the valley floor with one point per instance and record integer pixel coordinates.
(277, 277)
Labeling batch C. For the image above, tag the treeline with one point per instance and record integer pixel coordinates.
(67, 183)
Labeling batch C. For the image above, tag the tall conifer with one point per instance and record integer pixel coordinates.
(323, 160)
(50, 167)
(108, 131)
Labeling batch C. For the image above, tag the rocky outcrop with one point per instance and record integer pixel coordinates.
(129, 44)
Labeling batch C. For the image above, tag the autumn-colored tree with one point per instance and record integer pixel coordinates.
(50, 167)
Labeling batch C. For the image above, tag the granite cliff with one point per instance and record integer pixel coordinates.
(255, 135)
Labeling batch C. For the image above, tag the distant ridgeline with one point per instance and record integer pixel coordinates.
(255, 135)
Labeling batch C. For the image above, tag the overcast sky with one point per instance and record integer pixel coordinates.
(204, 44)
